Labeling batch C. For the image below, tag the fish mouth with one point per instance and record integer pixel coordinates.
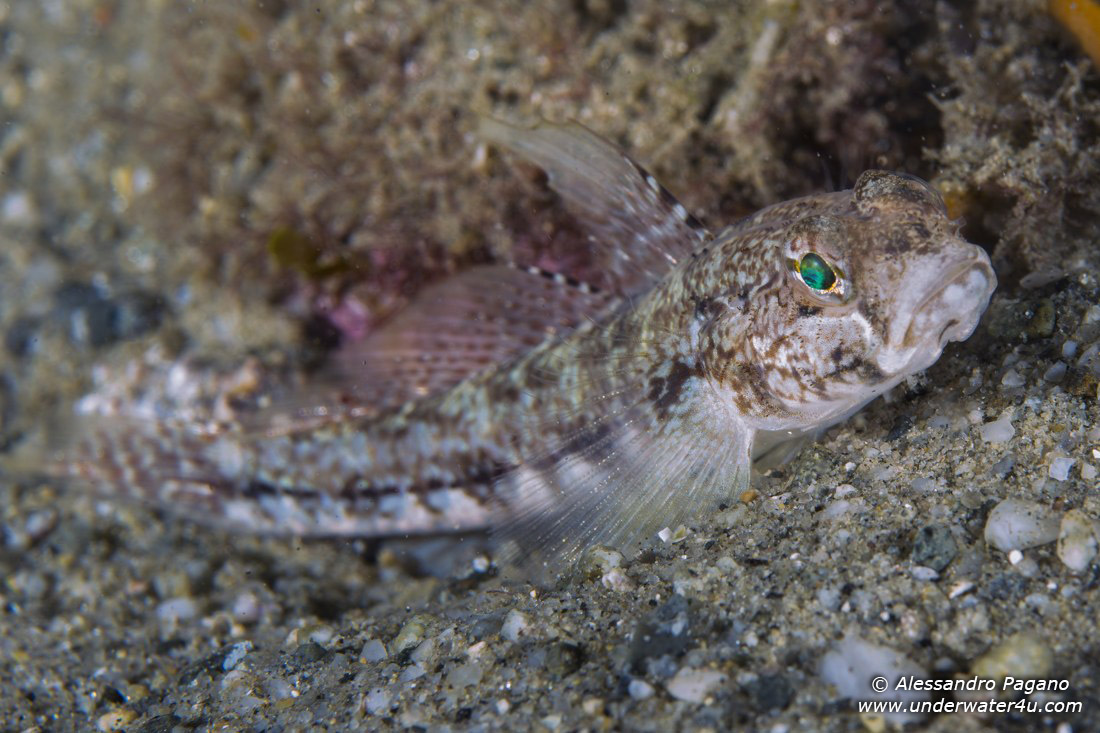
(948, 311)
(967, 281)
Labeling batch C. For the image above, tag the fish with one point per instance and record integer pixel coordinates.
(558, 414)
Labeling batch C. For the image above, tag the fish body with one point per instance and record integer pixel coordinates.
(561, 415)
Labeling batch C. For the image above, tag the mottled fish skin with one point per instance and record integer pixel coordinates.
(643, 405)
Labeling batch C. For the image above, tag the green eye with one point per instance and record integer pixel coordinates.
(816, 272)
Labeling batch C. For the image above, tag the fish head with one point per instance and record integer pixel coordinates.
(864, 292)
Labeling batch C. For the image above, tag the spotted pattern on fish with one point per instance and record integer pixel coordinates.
(559, 415)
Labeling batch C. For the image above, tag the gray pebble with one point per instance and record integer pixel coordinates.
(934, 547)
(373, 651)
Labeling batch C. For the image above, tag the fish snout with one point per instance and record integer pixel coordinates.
(942, 301)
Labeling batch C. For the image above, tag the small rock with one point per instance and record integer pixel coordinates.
(563, 659)
(279, 689)
(998, 431)
(93, 319)
(17, 208)
(40, 523)
(1041, 319)
(320, 633)
(617, 580)
(829, 597)
(1003, 467)
(309, 652)
(1015, 524)
(924, 573)
(21, 337)
(934, 547)
(173, 612)
(373, 651)
(464, 675)
(551, 722)
(923, 484)
(639, 689)
(423, 653)
(115, 720)
(1022, 655)
(410, 635)
(770, 692)
(1056, 373)
(853, 663)
(516, 624)
(598, 560)
(1077, 543)
(694, 685)
(1059, 467)
(1012, 379)
(377, 700)
(247, 608)
(160, 724)
(410, 673)
(234, 654)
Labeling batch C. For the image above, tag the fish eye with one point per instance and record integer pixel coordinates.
(817, 273)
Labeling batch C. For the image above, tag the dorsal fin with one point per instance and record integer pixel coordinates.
(638, 229)
(454, 329)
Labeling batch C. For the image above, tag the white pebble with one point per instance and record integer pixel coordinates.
(1069, 349)
(1077, 544)
(174, 611)
(1015, 557)
(1015, 524)
(1022, 656)
(423, 653)
(617, 580)
(853, 663)
(235, 654)
(1059, 467)
(516, 625)
(377, 700)
(838, 509)
(17, 208)
(1055, 373)
(829, 597)
(693, 685)
(464, 675)
(551, 722)
(410, 673)
(247, 608)
(960, 589)
(923, 484)
(639, 689)
(920, 572)
(1088, 471)
(373, 651)
(1012, 379)
(998, 431)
